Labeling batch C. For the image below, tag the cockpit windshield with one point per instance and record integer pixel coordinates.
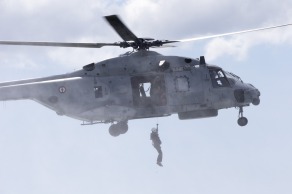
(232, 78)
(218, 78)
(232, 75)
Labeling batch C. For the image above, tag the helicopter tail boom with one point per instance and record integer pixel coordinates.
(17, 92)
(30, 89)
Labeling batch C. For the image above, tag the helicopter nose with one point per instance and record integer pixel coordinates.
(253, 94)
(256, 100)
(248, 94)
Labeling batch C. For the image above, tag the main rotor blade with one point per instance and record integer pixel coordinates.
(121, 28)
(59, 44)
(164, 46)
(227, 34)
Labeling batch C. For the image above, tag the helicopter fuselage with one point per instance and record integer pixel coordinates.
(140, 85)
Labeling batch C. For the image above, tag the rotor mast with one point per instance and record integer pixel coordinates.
(130, 39)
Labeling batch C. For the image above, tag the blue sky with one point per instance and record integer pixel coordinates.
(45, 153)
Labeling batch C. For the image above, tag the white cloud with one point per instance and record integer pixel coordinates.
(73, 21)
(220, 46)
(238, 46)
(23, 5)
(18, 60)
(76, 58)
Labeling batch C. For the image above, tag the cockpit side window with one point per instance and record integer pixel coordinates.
(218, 78)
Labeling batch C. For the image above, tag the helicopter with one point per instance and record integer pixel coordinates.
(138, 84)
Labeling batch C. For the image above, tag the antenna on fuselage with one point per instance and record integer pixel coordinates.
(202, 60)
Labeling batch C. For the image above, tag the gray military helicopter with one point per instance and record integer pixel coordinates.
(136, 85)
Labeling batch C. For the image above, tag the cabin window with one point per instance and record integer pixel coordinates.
(182, 84)
(98, 91)
(144, 89)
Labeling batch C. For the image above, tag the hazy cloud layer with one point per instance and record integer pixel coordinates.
(44, 153)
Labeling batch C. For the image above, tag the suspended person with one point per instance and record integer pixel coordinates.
(156, 142)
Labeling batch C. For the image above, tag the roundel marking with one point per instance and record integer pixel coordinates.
(62, 89)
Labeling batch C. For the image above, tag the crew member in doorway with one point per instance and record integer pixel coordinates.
(156, 142)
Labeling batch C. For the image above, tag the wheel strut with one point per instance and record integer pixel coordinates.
(240, 113)
(242, 121)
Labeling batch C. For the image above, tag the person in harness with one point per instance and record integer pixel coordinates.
(156, 142)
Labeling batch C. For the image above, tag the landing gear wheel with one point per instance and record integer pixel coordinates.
(113, 130)
(118, 129)
(123, 127)
(242, 121)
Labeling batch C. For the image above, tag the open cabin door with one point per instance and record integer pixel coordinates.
(148, 90)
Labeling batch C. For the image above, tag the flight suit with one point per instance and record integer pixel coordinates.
(156, 142)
